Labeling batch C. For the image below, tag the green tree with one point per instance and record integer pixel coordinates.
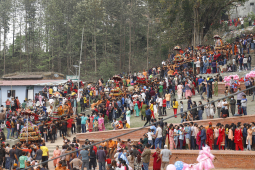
(5, 7)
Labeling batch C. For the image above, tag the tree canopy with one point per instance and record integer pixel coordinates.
(119, 35)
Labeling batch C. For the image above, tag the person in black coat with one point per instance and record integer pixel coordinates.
(2, 137)
(203, 137)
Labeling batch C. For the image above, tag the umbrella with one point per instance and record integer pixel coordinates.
(117, 78)
(177, 47)
(217, 36)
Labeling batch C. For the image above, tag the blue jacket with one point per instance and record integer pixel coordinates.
(204, 57)
(154, 128)
(200, 80)
(203, 134)
(148, 112)
(122, 100)
(44, 109)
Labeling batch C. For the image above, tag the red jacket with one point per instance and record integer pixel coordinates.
(164, 103)
(69, 123)
(8, 124)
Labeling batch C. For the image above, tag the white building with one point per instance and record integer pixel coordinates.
(24, 89)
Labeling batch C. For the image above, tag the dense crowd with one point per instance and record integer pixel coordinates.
(145, 94)
(129, 154)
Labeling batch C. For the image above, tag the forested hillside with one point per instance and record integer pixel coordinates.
(119, 35)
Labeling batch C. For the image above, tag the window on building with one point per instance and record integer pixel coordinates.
(11, 93)
(251, 3)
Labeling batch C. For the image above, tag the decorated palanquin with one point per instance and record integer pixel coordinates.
(33, 133)
(218, 42)
(179, 58)
(116, 92)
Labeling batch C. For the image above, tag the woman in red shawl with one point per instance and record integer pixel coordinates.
(238, 138)
(221, 138)
(90, 125)
(193, 88)
(209, 136)
(157, 160)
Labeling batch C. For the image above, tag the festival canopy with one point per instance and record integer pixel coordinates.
(177, 47)
(116, 78)
(217, 37)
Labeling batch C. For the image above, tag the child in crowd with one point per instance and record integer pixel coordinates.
(108, 160)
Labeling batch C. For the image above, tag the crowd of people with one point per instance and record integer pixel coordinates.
(145, 94)
(129, 154)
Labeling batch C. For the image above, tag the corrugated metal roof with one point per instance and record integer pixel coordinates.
(24, 77)
(32, 82)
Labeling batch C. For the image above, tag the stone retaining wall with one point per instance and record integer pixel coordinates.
(223, 159)
(135, 136)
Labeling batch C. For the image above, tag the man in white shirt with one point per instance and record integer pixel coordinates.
(158, 140)
(234, 60)
(55, 89)
(160, 103)
(64, 101)
(225, 104)
(143, 95)
(51, 101)
(242, 22)
(197, 66)
(150, 140)
(244, 105)
(165, 156)
(167, 83)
